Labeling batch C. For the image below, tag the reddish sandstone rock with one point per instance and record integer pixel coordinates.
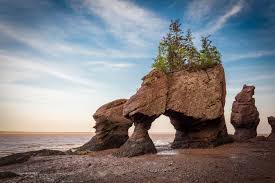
(271, 121)
(143, 108)
(245, 116)
(195, 105)
(111, 127)
(194, 102)
(150, 99)
(139, 143)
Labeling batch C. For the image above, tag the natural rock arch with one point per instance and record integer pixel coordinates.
(194, 102)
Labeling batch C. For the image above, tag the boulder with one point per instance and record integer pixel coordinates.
(25, 156)
(271, 121)
(111, 127)
(245, 116)
(195, 106)
(8, 175)
(143, 108)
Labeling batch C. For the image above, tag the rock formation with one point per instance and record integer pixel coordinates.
(23, 157)
(245, 116)
(195, 106)
(143, 108)
(8, 174)
(271, 121)
(194, 102)
(111, 127)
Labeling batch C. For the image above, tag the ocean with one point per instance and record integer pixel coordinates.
(21, 142)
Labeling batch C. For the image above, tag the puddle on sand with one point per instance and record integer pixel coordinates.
(167, 152)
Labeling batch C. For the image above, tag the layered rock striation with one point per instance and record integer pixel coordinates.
(245, 116)
(271, 121)
(111, 127)
(194, 102)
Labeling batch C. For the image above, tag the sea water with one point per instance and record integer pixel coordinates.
(22, 142)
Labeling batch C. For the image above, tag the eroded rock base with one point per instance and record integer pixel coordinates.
(96, 144)
(271, 121)
(192, 133)
(139, 143)
(242, 134)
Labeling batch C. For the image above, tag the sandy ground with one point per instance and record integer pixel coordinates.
(237, 162)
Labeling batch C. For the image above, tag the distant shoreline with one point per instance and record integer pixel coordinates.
(63, 133)
(43, 133)
(82, 133)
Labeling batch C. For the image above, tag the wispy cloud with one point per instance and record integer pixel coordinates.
(265, 89)
(110, 65)
(198, 9)
(219, 23)
(128, 21)
(34, 67)
(254, 54)
(59, 47)
(223, 19)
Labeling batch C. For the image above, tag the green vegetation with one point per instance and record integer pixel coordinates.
(177, 51)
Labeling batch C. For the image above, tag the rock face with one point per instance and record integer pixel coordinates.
(194, 102)
(150, 99)
(143, 108)
(195, 106)
(245, 116)
(111, 127)
(271, 121)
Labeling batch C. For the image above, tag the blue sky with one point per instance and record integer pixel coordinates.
(62, 59)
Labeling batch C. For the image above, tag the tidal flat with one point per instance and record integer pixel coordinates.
(252, 161)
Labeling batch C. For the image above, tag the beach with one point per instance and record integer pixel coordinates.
(251, 161)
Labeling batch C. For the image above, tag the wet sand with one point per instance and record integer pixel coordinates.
(238, 162)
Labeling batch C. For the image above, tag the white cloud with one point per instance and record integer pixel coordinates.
(127, 20)
(267, 89)
(223, 19)
(41, 41)
(219, 22)
(15, 67)
(111, 65)
(198, 9)
(254, 54)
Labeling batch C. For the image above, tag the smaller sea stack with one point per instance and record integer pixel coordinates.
(245, 116)
(111, 127)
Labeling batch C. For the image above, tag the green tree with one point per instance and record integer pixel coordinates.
(161, 62)
(177, 51)
(209, 54)
(174, 53)
(192, 55)
(174, 44)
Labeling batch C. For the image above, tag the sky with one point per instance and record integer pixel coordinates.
(62, 59)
